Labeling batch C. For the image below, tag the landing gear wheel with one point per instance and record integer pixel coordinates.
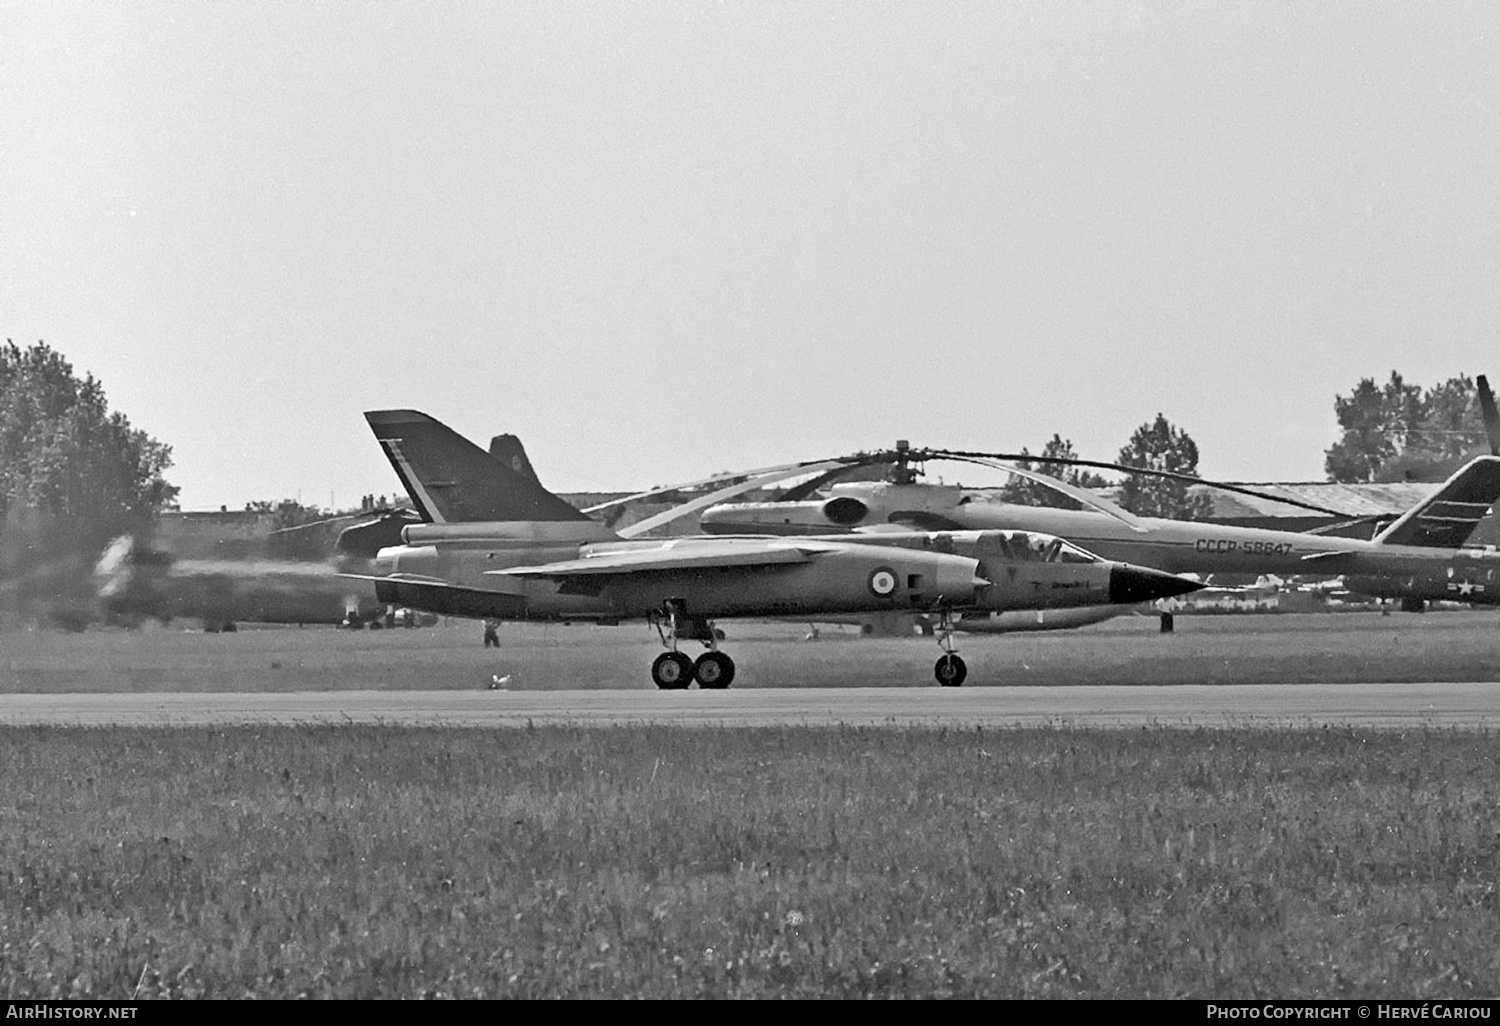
(714, 671)
(672, 671)
(950, 670)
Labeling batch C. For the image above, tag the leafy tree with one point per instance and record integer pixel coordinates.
(1025, 492)
(1404, 431)
(72, 475)
(64, 455)
(1452, 424)
(1365, 443)
(1160, 446)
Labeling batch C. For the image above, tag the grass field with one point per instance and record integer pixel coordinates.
(661, 862)
(805, 862)
(1245, 649)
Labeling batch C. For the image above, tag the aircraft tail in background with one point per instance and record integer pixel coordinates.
(451, 480)
(1449, 516)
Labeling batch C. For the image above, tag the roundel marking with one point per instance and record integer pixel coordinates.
(882, 581)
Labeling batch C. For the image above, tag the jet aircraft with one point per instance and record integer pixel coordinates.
(503, 546)
(455, 492)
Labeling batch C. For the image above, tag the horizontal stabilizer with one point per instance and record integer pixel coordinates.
(1446, 520)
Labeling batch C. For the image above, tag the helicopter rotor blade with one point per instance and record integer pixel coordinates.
(924, 455)
(1083, 495)
(729, 492)
(785, 470)
(1122, 469)
(807, 488)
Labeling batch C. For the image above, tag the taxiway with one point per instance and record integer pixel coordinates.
(1445, 705)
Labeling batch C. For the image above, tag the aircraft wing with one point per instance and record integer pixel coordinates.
(669, 557)
(1093, 500)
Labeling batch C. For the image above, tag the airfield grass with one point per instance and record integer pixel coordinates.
(368, 862)
(1244, 649)
(711, 862)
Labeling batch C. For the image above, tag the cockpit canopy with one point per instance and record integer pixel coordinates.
(1031, 547)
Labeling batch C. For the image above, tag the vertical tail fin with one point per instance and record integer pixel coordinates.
(452, 480)
(1446, 520)
(1489, 413)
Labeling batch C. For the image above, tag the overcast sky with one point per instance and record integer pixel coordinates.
(658, 240)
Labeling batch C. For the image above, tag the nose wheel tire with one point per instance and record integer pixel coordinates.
(950, 670)
(672, 671)
(713, 671)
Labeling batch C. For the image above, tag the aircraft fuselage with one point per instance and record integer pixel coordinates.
(909, 571)
(1458, 583)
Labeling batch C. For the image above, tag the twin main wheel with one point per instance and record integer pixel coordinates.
(673, 671)
(714, 670)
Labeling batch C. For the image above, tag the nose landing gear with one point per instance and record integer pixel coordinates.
(673, 671)
(951, 671)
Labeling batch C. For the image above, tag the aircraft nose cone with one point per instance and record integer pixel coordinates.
(1131, 584)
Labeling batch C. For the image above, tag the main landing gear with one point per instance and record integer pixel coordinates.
(674, 670)
(950, 671)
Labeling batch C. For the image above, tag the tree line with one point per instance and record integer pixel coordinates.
(1390, 432)
(1396, 431)
(74, 474)
(1156, 445)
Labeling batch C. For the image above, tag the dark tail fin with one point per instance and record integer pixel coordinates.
(1490, 414)
(1446, 520)
(452, 480)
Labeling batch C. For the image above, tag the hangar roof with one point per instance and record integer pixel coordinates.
(1352, 500)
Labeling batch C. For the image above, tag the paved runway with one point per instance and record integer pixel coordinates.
(1462, 705)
